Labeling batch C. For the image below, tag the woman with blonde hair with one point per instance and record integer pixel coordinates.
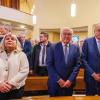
(14, 68)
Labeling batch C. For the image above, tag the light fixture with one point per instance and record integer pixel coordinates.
(22, 26)
(73, 8)
(34, 19)
(33, 8)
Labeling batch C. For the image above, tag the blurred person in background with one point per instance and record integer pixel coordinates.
(4, 29)
(91, 62)
(39, 55)
(26, 46)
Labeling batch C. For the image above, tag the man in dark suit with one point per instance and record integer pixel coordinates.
(26, 47)
(39, 55)
(91, 62)
(63, 65)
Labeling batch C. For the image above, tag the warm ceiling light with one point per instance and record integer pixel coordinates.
(32, 11)
(34, 19)
(22, 26)
(73, 9)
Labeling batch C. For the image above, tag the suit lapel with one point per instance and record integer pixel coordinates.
(70, 53)
(60, 51)
(39, 48)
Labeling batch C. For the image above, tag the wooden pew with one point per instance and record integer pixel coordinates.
(80, 85)
(40, 83)
(62, 98)
(36, 83)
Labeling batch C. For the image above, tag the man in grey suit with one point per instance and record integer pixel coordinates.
(91, 62)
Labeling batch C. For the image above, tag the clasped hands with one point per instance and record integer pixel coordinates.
(5, 87)
(64, 84)
(96, 76)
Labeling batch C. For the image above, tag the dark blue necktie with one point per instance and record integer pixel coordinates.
(43, 54)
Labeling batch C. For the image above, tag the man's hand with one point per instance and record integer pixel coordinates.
(61, 82)
(96, 77)
(5, 87)
(67, 84)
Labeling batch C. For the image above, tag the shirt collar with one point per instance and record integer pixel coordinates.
(44, 44)
(63, 44)
(97, 40)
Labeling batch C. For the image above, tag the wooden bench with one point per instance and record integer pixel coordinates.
(80, 85)
(62, 98)
(36, 83)
(40, 83)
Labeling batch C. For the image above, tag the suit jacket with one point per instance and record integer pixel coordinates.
(57, 68)
(90, 57)
(27, 48)
(35, 55)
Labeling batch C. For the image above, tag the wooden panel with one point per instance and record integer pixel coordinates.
(46, 97)
(40, 83)
(80, 85)
(36, 83)
(10, 3)
(15, 4)
(81, 72)
(62, 98)
(87, 98)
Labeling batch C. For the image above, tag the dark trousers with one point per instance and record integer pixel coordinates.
(42, 71)
(58, 91)
(14, 94)
(92, 87)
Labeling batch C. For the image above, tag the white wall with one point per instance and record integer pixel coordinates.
(15, 15)
(56, 13)
(50, 14)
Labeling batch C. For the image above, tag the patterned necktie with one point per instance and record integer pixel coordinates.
(43, 54)
(66, 54)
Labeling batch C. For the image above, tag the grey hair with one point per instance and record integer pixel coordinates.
(2, 47)
(65, 28)
(94, 26)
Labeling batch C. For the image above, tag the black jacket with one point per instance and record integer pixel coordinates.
(35, 55)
